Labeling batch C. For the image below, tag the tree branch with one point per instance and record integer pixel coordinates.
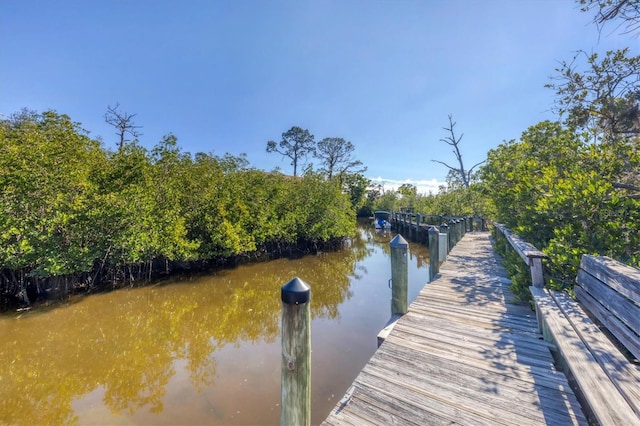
(621, 185)
(442, 162)
(476, 165)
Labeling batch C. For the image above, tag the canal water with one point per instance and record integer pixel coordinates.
(198, 350)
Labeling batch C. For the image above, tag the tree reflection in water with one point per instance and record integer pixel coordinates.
(122, 349)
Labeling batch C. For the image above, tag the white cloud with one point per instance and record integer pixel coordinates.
(423, 186)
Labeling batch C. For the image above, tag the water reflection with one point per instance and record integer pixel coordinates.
(198, 349)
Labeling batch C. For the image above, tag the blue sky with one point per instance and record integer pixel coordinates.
(227, 76)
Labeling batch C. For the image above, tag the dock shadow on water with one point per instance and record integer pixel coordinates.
(198, 350)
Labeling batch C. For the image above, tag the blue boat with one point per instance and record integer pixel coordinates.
(382, 219)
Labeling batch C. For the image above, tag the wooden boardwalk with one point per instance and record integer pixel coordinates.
(465, 353)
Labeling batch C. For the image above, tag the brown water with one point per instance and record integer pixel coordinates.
(198, 350)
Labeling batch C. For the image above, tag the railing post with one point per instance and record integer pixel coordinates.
(399, 275)
(528, 253)
(537, 277)
(295, 408)
(434, 252)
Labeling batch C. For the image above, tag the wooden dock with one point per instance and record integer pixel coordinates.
(465, 353)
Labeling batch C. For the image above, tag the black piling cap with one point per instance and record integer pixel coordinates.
(295, 292)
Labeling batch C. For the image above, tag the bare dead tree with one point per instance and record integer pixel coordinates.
(452, 140)
(123, 122)
(627, 12)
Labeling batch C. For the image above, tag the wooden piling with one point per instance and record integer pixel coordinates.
(434, 252)
(399, 275)
(443, 246)
(295, 407)
(452, 234)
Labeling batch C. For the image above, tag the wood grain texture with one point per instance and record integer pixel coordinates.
(624, 375)
(616, 303)
(601, 395)
(623, 278)
(610, 291)
(465, 353)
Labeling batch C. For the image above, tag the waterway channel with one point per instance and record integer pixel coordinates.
(201, 349)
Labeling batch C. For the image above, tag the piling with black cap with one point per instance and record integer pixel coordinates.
(399, 275)
(295, 407)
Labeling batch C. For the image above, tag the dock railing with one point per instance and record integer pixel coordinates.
(527, 252)
(598, 356)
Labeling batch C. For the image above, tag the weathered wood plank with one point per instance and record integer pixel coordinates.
(489, 373)
(498, 335)
(476, 391)
(492, 304)
(625, 376)
(609, 297)
(369, 406)
(443, 371)
(471, 351)
(603, 398)
(487, 318)
(625, 335)
(623, 278)
(429, 403)
(616, 303)
(509, 367)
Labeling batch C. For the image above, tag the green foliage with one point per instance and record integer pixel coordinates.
(46, 195)
(512, 177)
(602, 98)
(462, 201)
(572, 193)
(70, 208)
(325, 213)
(355, 184)
(389, 201)
(517, 270)
(568, 197)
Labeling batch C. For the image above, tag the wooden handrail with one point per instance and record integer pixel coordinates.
(527, 252)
